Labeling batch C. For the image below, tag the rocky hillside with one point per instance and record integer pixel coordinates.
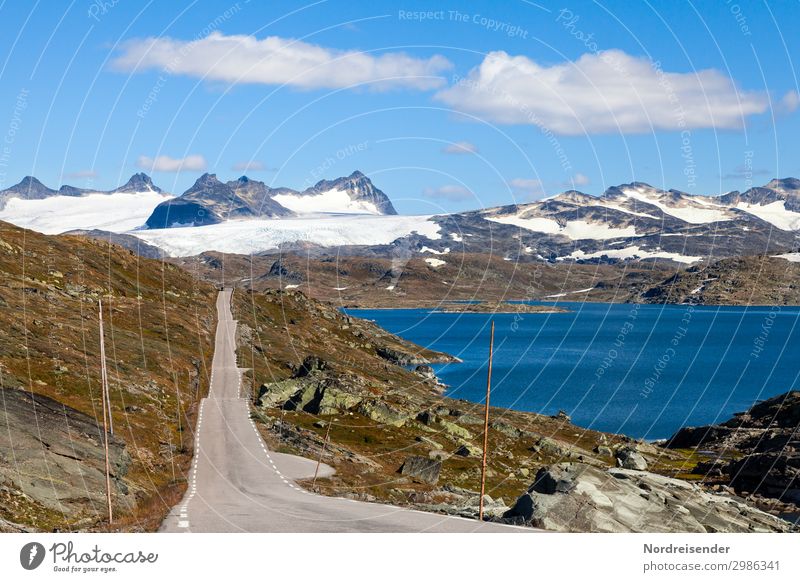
(395, 438)
(364, 280)
(159, 321)
(756, 453)
(758, 280)
(417, 280)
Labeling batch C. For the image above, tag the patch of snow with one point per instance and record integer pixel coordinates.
(118, 212)
(690, 213)
(253, 236)
(434, 251)
(339, 288)
(633, 252)
(536, 224)
(456, 237)
(775, 213)
(291, 286)
(332, 201)
(626, 211)
(580, 229)
(791, 257)
(435, 262)
(696, 291)
(569, 293)
(574, 229)
(390, 288)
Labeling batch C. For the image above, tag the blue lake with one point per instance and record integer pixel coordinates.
(639, 370)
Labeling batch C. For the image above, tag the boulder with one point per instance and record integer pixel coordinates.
(506, 429)
(466, 449)
(604, 451)
(422, 469)
(630, 458)
(383, 413)
(453, 429)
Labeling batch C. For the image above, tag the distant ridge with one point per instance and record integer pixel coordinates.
(30, 188)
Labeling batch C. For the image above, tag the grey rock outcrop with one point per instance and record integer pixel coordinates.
(55, 457)
(575, 497)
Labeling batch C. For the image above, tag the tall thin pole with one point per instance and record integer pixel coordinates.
(106, 412)
(486, 422)
(321, 453)
(104, 375)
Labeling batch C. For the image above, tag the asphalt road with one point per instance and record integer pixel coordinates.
(238, 485)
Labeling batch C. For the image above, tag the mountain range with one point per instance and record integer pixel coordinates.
(30, 188)
(634, 221)
(210, 201)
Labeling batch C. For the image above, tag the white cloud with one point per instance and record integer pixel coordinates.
(252, 166)
(526, 187)
(196, 163)
(577, 180)
(789, 102)
(276, 61)
(449, 192)
(610, 91)
(461, 147)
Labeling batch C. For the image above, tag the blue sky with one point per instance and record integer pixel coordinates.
(446, 105)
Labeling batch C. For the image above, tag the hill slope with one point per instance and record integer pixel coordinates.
(158, 325)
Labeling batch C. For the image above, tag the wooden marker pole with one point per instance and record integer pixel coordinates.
(321, 453)
(486, 423)
(106, 411)
(104, 376)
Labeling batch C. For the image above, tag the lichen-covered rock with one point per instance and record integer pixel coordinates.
(383, 412)
(466, 449)
(453, 429)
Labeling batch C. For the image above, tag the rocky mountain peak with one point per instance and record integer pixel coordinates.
(139, 182)
(359, 187)
(207, 180)
(29, 188)
(784, 184)
(31, 185)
